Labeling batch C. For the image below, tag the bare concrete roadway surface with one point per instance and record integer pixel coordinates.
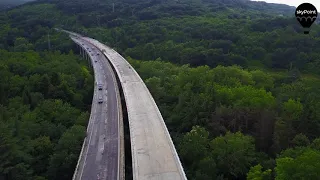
(99, 159)
(154, 156)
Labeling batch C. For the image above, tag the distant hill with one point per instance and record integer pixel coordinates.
(4, 4)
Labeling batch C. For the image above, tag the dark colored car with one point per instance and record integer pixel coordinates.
(100, 86)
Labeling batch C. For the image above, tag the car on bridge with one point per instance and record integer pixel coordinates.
(100, 86)
(100, 100)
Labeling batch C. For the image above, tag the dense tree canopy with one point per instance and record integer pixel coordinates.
(43, 113)
(236, 81)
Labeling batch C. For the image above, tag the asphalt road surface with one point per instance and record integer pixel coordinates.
(101, 157)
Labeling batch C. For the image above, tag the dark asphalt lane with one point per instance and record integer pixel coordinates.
(102, 155)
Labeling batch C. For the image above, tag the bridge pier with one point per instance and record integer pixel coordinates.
(89, 60)
(80, 49)
(85, 55)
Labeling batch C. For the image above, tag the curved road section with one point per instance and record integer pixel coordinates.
(100, 154)
(154, 156)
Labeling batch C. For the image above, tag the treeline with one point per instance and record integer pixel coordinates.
(267, 43)
(249, 34)
(232, 123)
(44, 102)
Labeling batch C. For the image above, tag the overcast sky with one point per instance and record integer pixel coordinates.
(295, 3)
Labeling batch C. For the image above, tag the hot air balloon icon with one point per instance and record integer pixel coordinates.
(306, 14)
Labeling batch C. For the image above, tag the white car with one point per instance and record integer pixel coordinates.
(100, 100)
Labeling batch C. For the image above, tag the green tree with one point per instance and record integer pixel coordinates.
(316, 144)
(305, 166)
(234, 154)
(66, 153)
(292, 109)
(42, 148)
(21, 44)
(194, 145)
(149, 51)
(44, 85)
(256, 173)
(262, 79)
(300, 140)
(154, 84)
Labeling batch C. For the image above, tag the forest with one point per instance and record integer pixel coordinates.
(237, 83)
(45, 97)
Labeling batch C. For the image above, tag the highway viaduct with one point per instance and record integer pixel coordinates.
(154, 156)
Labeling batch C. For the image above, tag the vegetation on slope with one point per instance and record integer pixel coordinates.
(5, 4)
(45, 97)
(245, 107)
(227, 120)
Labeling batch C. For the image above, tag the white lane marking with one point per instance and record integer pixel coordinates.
(100, 148)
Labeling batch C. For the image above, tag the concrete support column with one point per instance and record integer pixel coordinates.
(89, 61)
(85, 55)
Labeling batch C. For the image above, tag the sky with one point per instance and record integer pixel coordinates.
(295, 3)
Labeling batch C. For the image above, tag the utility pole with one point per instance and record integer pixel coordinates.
(112, 7)
(49, 45)
(98, 20)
